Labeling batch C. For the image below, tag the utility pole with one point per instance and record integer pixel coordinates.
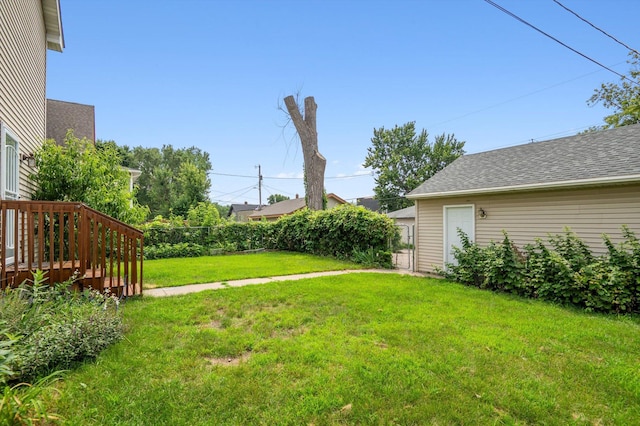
(259, 187)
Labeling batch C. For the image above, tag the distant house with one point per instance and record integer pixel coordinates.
(241, 212)
(27, 30)
(62, 116)
(277, 210)
(405, 219)
(590, 183)
(369, 203)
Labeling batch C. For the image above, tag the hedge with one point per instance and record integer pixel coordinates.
(345, 232)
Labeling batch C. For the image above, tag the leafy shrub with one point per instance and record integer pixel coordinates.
(6, 356)
(503, 268)
(338, 232)
(173, 231)
(54, 327)
(164, 251)
(373, 259)
(564, 272)
(470, 261)
(77, 171)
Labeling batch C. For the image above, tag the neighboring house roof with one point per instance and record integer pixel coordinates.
(336, 198)
(597, 158)
(369, 203)
(286, 207)
(406, 213)
(280, 208)
(235, 208)
(53, 24)
(62, 116)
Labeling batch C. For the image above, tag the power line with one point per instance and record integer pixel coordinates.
(234, 198)
(483, 109)
(592, 25)
(247, 188)
(516, 17)
(291, 178)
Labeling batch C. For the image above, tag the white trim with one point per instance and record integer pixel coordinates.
(53, 25)
(4, 132)
(445, 227)
(532, 186)
(5, 193)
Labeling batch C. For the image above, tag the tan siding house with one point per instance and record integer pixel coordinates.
(27, 29)
(590, 183)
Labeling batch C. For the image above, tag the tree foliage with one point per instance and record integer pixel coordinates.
(402, 160)
(623, 98)
(276, 198)
(77, 171)
(203, 214)
(171, 180)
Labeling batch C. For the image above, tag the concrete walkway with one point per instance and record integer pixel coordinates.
(194, 288)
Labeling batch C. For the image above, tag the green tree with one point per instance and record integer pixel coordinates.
(222, 210)
(623, 98)
(191, 187)
(276, 198)
(203, 214)
(402, 160)
(77, 171)
(171, 180)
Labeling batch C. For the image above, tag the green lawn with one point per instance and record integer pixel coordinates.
(359, 349)
(208, 269)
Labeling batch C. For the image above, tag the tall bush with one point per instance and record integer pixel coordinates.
(563, 271)
(77, 172)
(338, 232)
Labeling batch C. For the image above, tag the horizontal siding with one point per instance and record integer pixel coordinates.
(526, 216)
(428, 235)
(23, 77)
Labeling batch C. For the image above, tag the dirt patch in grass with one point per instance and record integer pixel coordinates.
(215, 324)
(289, 332)
(229, 361)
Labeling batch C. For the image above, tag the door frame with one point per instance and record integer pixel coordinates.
(5, 194)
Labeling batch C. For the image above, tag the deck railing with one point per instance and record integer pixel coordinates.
(66, 239)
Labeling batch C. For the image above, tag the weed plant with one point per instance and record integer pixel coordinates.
(47, 328)
(563, 271)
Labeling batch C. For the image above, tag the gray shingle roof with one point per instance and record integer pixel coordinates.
(235, 208)
(406, 213)
(581, 159)
(280, 208)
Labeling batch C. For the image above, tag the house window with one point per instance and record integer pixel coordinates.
(9, 183)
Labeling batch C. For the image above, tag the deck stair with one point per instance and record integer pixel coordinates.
(66, 240)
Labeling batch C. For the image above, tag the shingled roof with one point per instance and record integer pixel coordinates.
(406, 213)
(279, 209)
(608, 156)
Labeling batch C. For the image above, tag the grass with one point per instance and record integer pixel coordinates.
(359, 349)
(208, 269)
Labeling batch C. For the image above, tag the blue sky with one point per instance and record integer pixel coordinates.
(212, 74)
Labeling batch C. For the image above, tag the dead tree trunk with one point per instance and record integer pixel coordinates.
(314, 162)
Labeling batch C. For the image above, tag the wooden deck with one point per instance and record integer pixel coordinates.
(64, 239)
